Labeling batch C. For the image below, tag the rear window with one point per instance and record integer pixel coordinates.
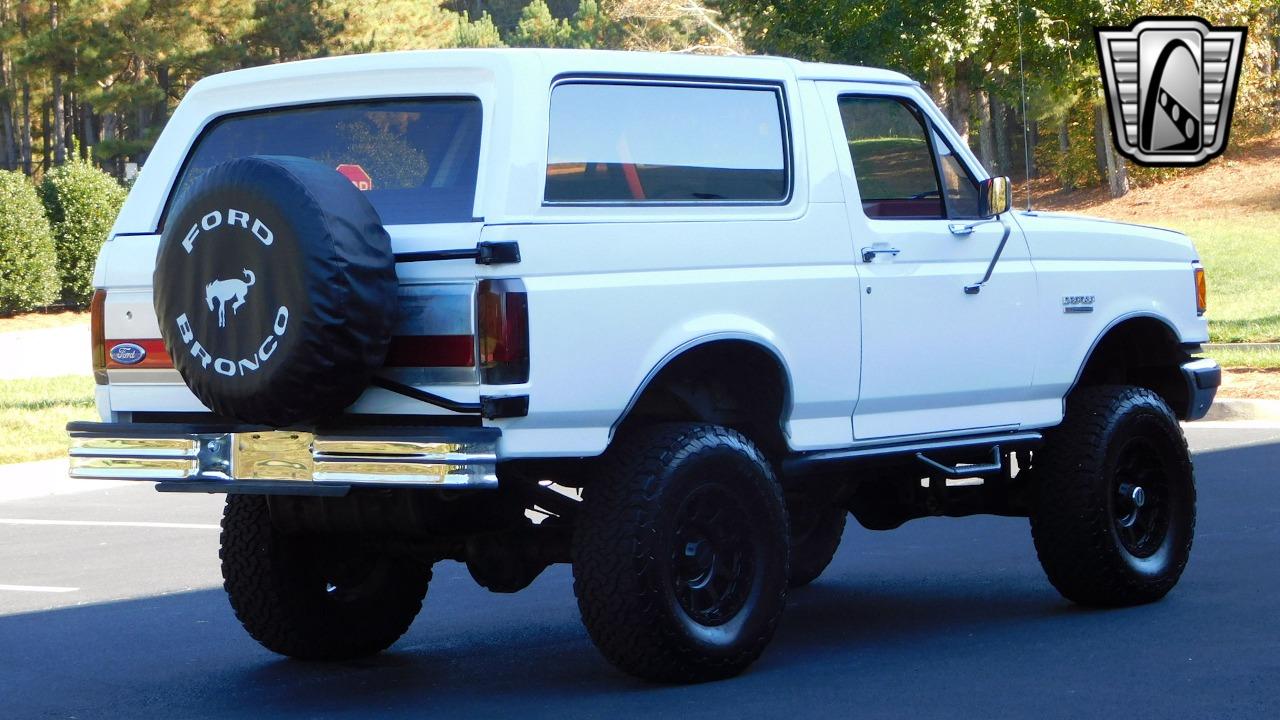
(416, 160)
(655, 143)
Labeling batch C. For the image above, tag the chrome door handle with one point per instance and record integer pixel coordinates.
(869, 254)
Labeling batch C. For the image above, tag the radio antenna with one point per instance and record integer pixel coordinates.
(1022, 81)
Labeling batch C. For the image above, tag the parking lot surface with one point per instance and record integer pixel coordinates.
(111, 606)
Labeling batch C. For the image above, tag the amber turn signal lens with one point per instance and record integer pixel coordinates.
(1202, 292)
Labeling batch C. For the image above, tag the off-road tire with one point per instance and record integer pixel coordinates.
(1077, 514)
(279, 587)
(632, 557)
(815, 537)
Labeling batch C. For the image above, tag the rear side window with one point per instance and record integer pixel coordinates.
(416, 160)
(638, 143)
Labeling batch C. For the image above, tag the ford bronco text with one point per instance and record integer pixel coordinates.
(667, 318)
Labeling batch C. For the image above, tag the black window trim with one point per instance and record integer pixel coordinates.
(213, 121)
(777, 87)
(930, 130)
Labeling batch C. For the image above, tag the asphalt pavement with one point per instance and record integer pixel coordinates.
(111, 606)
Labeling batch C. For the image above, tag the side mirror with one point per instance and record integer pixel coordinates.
(995, 196)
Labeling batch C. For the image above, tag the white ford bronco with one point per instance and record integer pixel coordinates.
(667, 318)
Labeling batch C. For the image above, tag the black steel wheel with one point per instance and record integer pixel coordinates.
(313, 599)
(1141, 493)
(1113, 511)
(680, 554)
(712, 555)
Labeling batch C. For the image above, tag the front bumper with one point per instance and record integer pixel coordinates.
(1203, 377)
(245, 459)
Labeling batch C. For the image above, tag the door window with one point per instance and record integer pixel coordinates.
(903, 169)
(961, 190)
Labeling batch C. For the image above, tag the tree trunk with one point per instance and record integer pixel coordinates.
(110, 131)
(961, 101)
(938, 90)
(26, 105)
(10, 148)
(70, 122)
(986, 149)
(1000, 128)
(162, 107)
(1064, 147)
(9, 151)
(88, 136)
(26, 127)
(1117, 174)
(46, 142)
(59, 109)
(1275, 63)
(1100, 139)
(1033, 140)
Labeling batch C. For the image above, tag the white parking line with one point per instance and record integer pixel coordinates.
(108, 523)
(38, 588)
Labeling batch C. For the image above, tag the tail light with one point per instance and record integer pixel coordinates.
(502, 316)
(1202, 292)
(97, 337)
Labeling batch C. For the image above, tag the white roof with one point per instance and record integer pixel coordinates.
(556, 62)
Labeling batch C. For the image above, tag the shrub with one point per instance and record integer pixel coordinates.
(82, 202)
(28, 274)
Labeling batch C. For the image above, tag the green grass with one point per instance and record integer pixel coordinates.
(1245, 358)
(1242, 260)
(34, 413)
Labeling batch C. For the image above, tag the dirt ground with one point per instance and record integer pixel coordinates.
(41, 320)
(1243, 181)
(1251, 384)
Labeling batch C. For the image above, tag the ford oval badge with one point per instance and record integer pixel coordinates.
(128, 353)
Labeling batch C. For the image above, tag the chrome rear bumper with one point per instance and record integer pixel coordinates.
(200, 458)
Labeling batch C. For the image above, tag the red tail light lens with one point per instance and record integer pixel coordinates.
(97, 337)
(502, 314)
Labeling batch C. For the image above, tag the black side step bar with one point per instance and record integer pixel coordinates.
(995, 467)
(485, 253)
(820, 460)
(489, 407)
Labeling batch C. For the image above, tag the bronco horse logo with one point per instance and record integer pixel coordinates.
(224, 291)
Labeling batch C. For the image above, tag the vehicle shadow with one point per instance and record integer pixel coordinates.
(468, 653)
(961, 603)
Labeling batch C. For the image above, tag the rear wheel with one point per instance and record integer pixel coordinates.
(312, 598)
(1113, 513)
(680, 554)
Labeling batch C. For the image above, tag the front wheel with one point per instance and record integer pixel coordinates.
(1114, 499)
(680, 554)
(310, 598)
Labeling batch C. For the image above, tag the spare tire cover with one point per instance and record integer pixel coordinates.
(275, 289)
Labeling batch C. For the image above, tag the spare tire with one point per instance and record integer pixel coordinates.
(275, 289)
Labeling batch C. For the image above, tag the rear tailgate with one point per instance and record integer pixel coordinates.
(434, 348)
